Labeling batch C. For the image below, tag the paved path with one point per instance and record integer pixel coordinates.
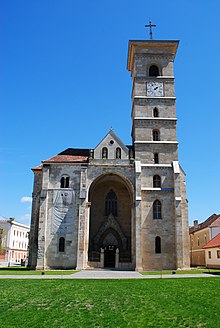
(107, 274)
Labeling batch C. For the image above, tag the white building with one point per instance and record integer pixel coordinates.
(14, 238)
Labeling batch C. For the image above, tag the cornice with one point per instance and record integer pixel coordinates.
(147, 97)
(158, 189)
(150, 78)
(155, 142)
(155, 118)
(154, 124)
(156, 166)
(153, 101)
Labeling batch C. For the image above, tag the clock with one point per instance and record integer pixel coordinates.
(155, 89)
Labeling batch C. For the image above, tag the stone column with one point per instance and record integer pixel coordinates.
(42, 231)
(139, 265)
(102, 258)
(82, 252)
(181, 216)
(117, 258)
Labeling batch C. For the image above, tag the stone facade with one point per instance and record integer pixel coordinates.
(116, 205)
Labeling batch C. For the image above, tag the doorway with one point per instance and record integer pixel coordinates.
(109, 257)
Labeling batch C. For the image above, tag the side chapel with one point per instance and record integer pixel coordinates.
(116, 205)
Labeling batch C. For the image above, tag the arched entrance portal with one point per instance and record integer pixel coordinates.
(110, 231)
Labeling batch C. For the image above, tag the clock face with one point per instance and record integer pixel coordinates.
(155, 89)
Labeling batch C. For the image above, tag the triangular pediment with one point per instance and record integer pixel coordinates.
(111, 141)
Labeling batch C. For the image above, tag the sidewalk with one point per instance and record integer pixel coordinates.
(108, 274)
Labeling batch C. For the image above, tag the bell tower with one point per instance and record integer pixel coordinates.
(161, 205)
(153, 100)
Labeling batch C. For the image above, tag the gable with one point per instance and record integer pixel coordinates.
(111, 142)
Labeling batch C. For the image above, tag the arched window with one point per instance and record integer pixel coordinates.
(62, 244)
(153, 70)
(156, 181)
(64, 182)
(118, 153)
(157, 245)
(156, 112)
(104, 153)
(157, 210)
(111, 203)
(156, 158)
(156, 135)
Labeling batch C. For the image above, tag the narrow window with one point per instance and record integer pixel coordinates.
(156, 135)
(118, 152)
(64, 182)
(156, 158)
(210, 255)
(156, 181)
(104, 153)
(111, 206)
(157, 210)
(156, 112)
(205, 238)
(61, 244)
(67, 182)
(157, 245)
(153, 70)
(218, 254)
(198, 241)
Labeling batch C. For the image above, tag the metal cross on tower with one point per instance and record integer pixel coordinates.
(150, 25)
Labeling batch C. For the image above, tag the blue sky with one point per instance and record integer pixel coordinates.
(64, 83)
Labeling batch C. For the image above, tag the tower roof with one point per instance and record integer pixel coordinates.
(151, 47)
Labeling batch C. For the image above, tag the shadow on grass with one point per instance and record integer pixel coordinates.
(216, 273)
(17, 268)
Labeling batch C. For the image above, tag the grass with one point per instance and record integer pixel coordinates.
(25, 271)
(192, 271)
(169, 303)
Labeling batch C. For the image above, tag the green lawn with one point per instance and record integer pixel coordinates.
(25, 271)
(169, 303)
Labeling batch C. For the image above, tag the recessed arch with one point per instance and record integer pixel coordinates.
(112, 175)
(110, 220)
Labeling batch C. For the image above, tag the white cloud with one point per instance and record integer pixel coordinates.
(26, 199)
(25, 219)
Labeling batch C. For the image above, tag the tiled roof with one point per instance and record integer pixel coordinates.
(66, 159)
(213, 220)
(214, 242)
(37, 168)
(70, 155)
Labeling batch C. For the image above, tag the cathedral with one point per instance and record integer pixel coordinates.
(119, 206)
